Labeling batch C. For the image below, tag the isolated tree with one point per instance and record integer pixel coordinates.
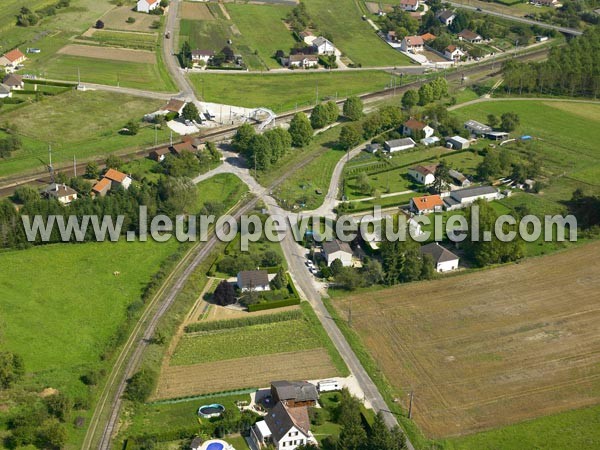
(442, 178)
(333, 111)
(227, 52)
(133, 127)
(280, 281)
(353, 108)
(319, 116)
(52, 435)
(224, 294)
(300, 130)
(113, 162)
(410, 99)
(140, 385)
(509, 121)
(190, 112)
(350, 136)
(12, 369)
(99, 24)
(492, 120)
(59, 405)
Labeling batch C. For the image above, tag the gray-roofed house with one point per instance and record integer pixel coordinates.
(323, 46)
(446, 17)
(14, 81)
(337, 249)
(61, 192)
(5, 91)
(457, 142)
(458, 178)
(204, 56)
(294, 393)
(398, 145)
(477, 128)
(443, 259)
(253, 280)
(461, 198)
(286, 428)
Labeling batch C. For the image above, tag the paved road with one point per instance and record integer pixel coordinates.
(483, 10)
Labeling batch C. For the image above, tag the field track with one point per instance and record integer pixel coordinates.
(490, 348)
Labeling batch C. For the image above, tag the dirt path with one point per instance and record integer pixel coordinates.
(224, 11)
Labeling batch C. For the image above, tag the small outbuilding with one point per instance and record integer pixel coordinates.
(398, 145)
(444, 260)
(457, 142)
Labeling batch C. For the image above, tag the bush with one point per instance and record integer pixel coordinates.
(140, 386)
(130, 20)
(273, 305)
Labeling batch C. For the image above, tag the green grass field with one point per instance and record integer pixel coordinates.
(61, 304)
(81, 124)
(254, 340)
(106, 71)
(141, 41)
(273, 91)
(254, 20)
(352, 35)
(225, 188)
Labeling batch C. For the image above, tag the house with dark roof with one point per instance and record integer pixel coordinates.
(253, 280)
(337, 249)
(477, 128)
(470, 36)
(5, 91)
(174, 105)
(283, 427)
(323, 46)
(159, 154)
(424, 174)
(294, 393)
(14, 81)
(458, 178)
(443, 259)
(446, 17)
(61, 192)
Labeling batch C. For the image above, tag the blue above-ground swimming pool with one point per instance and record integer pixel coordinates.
(215, 446)
(213, 410)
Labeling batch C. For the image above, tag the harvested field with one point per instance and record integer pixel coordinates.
(116, 19)
(110, 53)
(219, 376)
(373, 7)
(195, 11)
(490, 348)
(217, 312)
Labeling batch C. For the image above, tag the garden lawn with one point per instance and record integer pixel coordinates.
(61, 304)
(225, 188)
(255, 340)
(273, 90)
(353, 36)
(254, 20)
(81, 124)
(111, 72)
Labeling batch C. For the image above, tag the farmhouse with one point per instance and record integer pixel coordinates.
(201, 56)
(457, 142)
(453, 53)
(444, 260)
(285, 428)
(470, 36)
(61, 192)
(294, 393)
(323, 46)
(398, 145)
(5, 91)
(147, 5)
(13, 81)
(462, 198)
(337, 249)
(413, 127)
(11, 60)
(446, 17)
(302, 61)
(423, 174)
(253, 280)
(477, 128)
(101, 188)
(159, 154)
(426, 204)
(410, 5)
(118, 179)
(412, 44)
(458, 178)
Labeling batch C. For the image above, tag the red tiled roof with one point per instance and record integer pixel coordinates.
(101, 185)
(414, 40)
(14, 55)
(414, 124)
(427, 202)
(115, 175)
(428, 37)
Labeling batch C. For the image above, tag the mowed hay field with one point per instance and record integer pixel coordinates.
(109, 53)
(490, 348)
(195, 11)
(248, 356)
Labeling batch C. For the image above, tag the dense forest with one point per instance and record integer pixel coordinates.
(572, 70)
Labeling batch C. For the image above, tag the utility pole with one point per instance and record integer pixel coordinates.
(171, 139)
(50, 168)
(410, 404)
(75, 165)
(155, 134)
(350, 313)
(317, 98)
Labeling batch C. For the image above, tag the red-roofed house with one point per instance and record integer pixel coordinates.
(147, 5)
(423, 174)
(412, 127)
(410, 5)
(101, 187)
(118, 178)
(426, 204)
(428, 37)
(175, 106)
(12, 59)
(412, 44)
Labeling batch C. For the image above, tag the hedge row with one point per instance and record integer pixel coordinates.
(273, 305)
(51, 83)
(244, 321)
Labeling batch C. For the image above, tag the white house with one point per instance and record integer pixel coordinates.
(398, 145)
(63, 193)
(201, 56)
(284, 427)
(11, 60)
(412, 44)
(453, 53)
(444, 260)
(470, 36)
(118, 179)
(302, 61)
(446, 17)
(457, 142)
(253, 280)
(14, 82)
(423, 174)
(147, 5)
(461, 198)
(323, 46)
(410, 5)
(337, 249)
(412, 127)
(5, 91)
